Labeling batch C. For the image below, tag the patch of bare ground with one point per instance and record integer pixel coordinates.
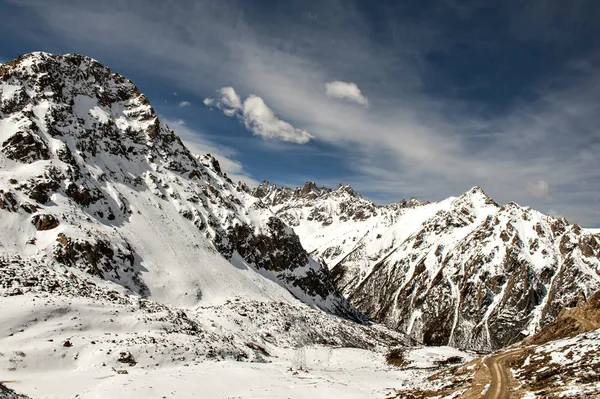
(449, 382)
(570, 322)
(566, 368)
(560, 361)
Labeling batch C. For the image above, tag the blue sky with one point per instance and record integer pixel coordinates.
(422, 98)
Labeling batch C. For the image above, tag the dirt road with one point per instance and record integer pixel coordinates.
(500, 372)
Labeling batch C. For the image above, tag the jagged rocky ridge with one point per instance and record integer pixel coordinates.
(91, 180)
(464, 271)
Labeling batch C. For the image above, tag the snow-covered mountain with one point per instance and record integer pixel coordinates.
(342, 228)
(91, 180)
(464, 271)
(559, 361)
(124, 255)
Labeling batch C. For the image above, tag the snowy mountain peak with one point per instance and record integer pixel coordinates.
(464, 271)
(346, 188)
(477, 190)
(309, 191)
(477, 195)
(92, 180)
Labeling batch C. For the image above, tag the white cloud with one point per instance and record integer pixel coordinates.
(179, 122)
(414, 143)
(539, 189)
(261, 121)
(183, 104)
(257, 117)
(229, 98)
(346, 91)
(198, 143)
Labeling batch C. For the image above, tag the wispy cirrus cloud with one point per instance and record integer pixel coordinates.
(421, 135)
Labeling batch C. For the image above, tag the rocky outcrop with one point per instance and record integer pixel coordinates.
(7, 393)
(44, 222)
(580, 317)
(465, 271)
(25, 147)
(111, 162)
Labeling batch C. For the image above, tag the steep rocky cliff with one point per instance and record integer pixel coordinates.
(464, 271)
(91, 180)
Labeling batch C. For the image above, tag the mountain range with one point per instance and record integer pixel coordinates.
(464, 271)
(110, 225)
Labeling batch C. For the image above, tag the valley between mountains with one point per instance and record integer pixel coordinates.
(132, 268)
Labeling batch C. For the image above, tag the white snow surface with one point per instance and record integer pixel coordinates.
(185, 356)
(411, 263)
(331, 373)
(427, 356)
(152, 200)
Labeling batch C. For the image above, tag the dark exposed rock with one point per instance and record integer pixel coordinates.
(98, 258)
(30, 208)
(8, 201)
(25, 147)
(44, 222)
(127, 358)
(83, 195)
(193, 174)
(40, 190)
(7, 393)
(266, 251)
(216, 166)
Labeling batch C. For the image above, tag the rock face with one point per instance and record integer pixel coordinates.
(84, 146)
(343, 229)
(464, 271)
(7, 393)
(44, 222)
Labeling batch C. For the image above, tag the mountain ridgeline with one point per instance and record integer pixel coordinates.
(93, 181)
(93, 186)
(464, 271)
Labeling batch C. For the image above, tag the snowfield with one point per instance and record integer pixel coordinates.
(132, 268)
(331, 373)
(64, 347)
(223, 380)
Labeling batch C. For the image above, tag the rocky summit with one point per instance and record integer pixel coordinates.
(464, 271)
(125, 259)
(91, 180)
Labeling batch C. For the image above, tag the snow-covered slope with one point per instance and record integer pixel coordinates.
(92, 182)
(347, 231)
(120, 251)
(464, 271)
